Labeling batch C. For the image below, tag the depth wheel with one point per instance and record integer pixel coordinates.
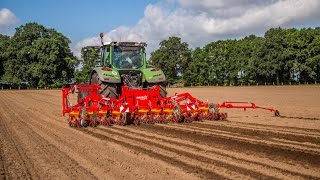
(125, 118)
(212, 108)
(177, 114)
(85, 123)
(107, 89)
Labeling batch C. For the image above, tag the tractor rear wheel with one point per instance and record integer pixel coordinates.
(163, 91)
(107, 89)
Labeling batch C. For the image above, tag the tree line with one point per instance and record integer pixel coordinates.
(281, 56)
(41, 57)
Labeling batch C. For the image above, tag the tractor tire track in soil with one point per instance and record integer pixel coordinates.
(237, 142)
(37, 143)
(197, 147)
(279, 154)
(198, 162)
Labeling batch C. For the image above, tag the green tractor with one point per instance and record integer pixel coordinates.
(124, 64)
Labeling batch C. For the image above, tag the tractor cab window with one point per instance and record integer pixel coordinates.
(127, 57)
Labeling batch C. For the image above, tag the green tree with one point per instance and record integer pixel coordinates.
(248, 50)
(39, 56)
(272, 56)
(4, 42)
(89, 56)
(197, 71)
(313, 61)
(173, 57)
(222, 61)
(308, 56)
(282, 55)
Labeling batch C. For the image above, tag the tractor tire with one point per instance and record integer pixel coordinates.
(163, 91)
(107, 89)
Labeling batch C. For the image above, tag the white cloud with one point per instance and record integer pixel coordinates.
(91, 41)
(223, 8)
(203, 21)
(260, 18)
(7, 20)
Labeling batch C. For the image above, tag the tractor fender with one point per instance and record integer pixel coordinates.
(107, 76)
(153, 76)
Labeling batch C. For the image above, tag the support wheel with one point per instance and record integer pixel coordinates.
(212, 108)
(177, 117)
(85, 123)
(125, 118)
(136, 120)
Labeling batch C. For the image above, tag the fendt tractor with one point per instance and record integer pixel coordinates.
(123, 89)
(125, 64)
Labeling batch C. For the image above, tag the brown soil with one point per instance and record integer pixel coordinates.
(37, 143)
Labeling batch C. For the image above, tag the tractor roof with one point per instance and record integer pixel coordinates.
(125, 43)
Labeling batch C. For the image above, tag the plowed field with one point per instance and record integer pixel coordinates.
(37, 143)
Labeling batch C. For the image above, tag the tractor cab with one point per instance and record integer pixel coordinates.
(123, 55)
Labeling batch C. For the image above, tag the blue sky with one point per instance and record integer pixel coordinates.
(197, 22)
(77, 19)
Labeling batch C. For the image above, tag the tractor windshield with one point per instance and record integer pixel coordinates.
(127, 57)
